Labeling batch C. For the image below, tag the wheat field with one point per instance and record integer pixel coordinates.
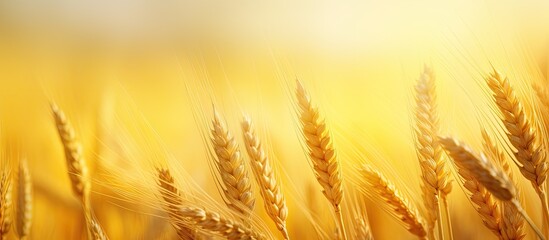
(274, 120)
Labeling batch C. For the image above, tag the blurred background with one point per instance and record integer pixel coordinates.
(105, 62)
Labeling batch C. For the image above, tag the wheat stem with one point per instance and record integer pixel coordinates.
(527, 218)
(448, 218)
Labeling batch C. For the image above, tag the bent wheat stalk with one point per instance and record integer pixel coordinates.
(24, 200)
(321, 153)
(172, 204)
(78, 170)
(491, 177)
(216, 223)
(400, 206)
(234, 176)
(273, 198)
(184, 217)
(523, 135)
(5, 204)
(434, 170)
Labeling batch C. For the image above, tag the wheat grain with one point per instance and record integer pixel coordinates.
(521, 132)
(5, 203)
(274, 201)
(236, 183)
(24, 200)
(434, 170)
(512, 221)
(95, 231)
(482, 200)
(173, 202)
(321, 152)
(400, 206)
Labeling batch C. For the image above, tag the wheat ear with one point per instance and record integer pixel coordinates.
(434, 170)
(172, 204)
(216, 223)
(24, 200)
(483, 202)
(5, 204)
(273, 198)
(512, 221)
(400, 206)
(77, 169)
(321, 153)
(491, 177)
(235, 181)
(183, 216)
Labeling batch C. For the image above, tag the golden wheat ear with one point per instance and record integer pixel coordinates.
(273, 197)
(185, 217)
(5, 203)
(321, 153)
(77, 170)
(24, 200)
(522, 134)
(487, 174)
(395, 203)
(435, 175)
(235, 182)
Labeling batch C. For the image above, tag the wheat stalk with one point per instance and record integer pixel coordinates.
(24, 200)
(400, 206)
(77, 169)
(321, 153)
(434, 170)
(236, 183)
(173, 202)
(5, 204)
(512, 222)
(491, 177)
(274, 201)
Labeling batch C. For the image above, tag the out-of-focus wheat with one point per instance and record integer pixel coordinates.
(5, 203)
(273, 197)
(24, 200)
(78, 171)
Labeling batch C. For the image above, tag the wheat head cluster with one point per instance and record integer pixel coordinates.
(253, 198)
